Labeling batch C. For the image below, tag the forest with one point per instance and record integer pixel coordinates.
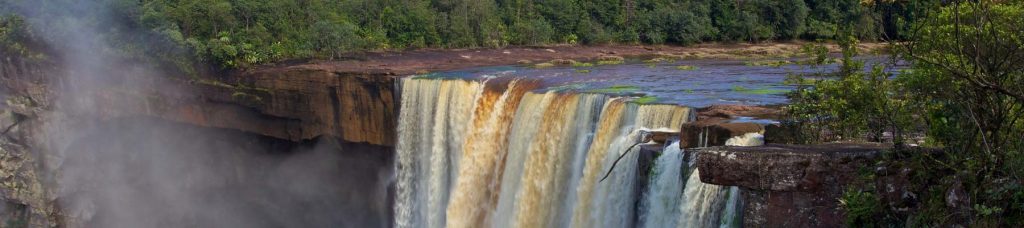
(243, 33)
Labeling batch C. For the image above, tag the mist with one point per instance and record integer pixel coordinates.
(115, 170)
(149, 173)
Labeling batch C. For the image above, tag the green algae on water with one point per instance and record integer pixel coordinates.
(616, 89)
(760, 91)
(645, 100)
(686, 67)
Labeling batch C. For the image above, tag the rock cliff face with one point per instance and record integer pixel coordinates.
(788, 185)
(292, 106)
(303, 103)
(288, 103)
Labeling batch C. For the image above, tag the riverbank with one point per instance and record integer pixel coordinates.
(433, 60)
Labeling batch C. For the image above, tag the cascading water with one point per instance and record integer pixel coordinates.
(660, 207)
(493, 153)
(671, 202)
(431, 133)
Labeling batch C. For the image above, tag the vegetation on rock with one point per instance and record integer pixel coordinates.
(961, 94)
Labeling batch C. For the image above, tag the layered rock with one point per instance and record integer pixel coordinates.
(291, 103)
(713, 132)
(305, 103)
(717, 124)
(788, 185)
(295, 105)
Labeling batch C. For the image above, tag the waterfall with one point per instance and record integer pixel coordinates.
(708, 205)
(660, 207)
(547, 177)
(483, 149)
(431, 130)
(494, 153)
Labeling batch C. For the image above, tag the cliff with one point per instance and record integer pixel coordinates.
(292, 106)
(788, 185)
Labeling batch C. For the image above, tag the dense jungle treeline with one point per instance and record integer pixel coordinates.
(240, 33)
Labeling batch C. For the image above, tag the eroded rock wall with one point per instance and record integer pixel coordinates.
(788, 185)
(292, 105)
(355, 107)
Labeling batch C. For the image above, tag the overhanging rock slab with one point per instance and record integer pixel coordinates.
(788, 185)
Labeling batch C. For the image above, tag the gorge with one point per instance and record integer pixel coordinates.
(493, 146)
(537, 113)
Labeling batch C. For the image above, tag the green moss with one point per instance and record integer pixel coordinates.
(610, 62)
(761, 91)
(686, 67)
(582, 64)
(775, 63)
(658, 60)
(543, 65)
(427, 76)
(766, 91)
(583, 71)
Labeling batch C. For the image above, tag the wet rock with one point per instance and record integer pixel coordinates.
(648, 153)
(785, 132)
(784, 167)
(662, 137)
(734, 111)
(788, 185)
(713, 132)
(310, 103)
(611, 58)
(563, 62)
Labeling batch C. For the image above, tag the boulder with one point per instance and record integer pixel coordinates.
(662, 137)
(788, 185)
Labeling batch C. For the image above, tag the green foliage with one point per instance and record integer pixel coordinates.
(532, 32)
(973, 102)
(817, 54)
(17, 39)
(960, 95)
(861, 207)
(854, 104)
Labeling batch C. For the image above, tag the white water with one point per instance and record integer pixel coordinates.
(477, 154)
(708, 205)
(667, 203)
(663, 196)
(431, 136)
